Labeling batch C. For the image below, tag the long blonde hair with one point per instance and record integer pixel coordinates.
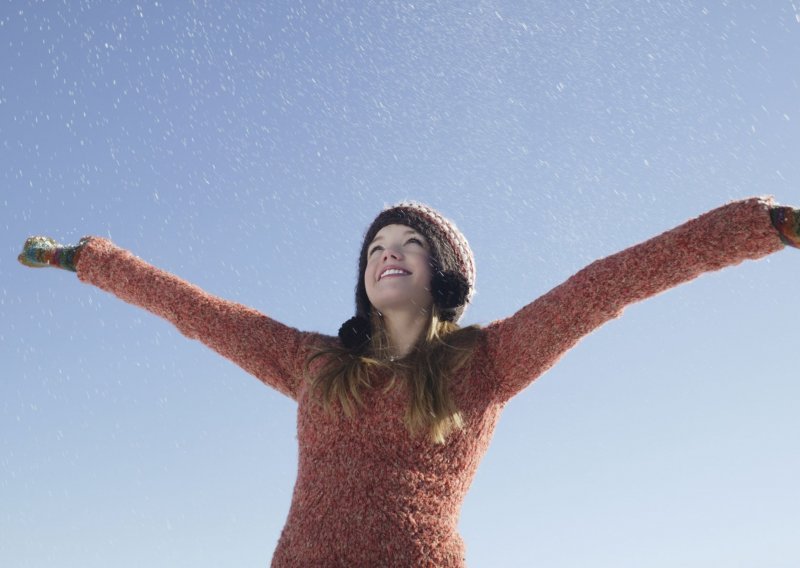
(441, 350)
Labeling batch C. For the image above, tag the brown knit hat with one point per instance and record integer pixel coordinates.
(452, 263)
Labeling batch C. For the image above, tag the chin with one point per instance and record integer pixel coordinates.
(402, 305)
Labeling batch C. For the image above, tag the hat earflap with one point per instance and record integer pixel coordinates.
(449, 289)
(356, 333)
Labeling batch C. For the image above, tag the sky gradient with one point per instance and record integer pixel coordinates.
(245, 147)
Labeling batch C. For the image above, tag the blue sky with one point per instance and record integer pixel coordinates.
(246, 147)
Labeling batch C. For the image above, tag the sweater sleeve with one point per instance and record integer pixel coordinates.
(532, 340)
(271, 351)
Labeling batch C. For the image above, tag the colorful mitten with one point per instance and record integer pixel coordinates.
(38, 252)
(787, 221)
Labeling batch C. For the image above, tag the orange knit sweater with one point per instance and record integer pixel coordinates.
(367, 494)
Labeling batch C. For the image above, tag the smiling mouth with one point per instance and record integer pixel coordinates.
(394, 273)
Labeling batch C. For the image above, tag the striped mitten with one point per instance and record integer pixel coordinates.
(38, 252)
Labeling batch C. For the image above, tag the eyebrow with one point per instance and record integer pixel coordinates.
(408, 232)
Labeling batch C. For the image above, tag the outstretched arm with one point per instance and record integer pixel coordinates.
(268, 349)
(528, 343)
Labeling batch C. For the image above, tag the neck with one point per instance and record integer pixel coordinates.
(403, 330)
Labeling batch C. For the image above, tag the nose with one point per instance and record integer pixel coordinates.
(390, 252)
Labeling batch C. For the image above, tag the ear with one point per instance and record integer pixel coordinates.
(449, 289)
(356, 333)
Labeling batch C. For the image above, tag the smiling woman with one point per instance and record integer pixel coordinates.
(403, 319)
(397, 280)
(395, 414)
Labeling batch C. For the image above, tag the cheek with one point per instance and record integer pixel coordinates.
(427, 269)
(369, 278)
(426, 276)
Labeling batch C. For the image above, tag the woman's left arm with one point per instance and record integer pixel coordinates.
(528, 343)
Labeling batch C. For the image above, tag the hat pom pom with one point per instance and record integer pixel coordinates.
(449, 289)
(355, 333)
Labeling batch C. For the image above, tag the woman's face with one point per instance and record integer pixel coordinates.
(404, 249)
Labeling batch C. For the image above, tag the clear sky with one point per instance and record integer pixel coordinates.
(246, 147)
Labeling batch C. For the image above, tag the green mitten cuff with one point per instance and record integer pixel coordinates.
(67, 257)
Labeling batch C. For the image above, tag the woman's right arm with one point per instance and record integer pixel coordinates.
(271, 351)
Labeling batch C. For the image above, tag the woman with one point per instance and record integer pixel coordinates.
(395, 414)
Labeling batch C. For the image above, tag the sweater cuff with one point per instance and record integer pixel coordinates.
(787, 221)
(86, 242)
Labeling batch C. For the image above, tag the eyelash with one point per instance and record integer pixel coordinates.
(419, 242)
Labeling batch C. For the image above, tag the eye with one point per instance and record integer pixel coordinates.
(412, 239)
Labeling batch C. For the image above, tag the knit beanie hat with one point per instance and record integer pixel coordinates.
(452, 263)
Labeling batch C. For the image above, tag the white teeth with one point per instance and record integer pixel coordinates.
(393, 271)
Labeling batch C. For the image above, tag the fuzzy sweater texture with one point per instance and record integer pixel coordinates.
(367, 493)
